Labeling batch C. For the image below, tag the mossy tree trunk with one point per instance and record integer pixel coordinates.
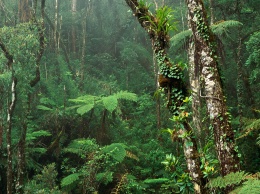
(206, 60)
(173, 85)
(10, 111)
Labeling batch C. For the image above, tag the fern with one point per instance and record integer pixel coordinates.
(104, 177)
(110, 103)
(221, 29)
(70, 180)
(250, 186)
(156, 181)
(181, 38)
(131, 155)
(228, 180)
(116, 151)
(251, 125)
(125, 95)
(85, 108)
(88, 102)
(119, 185)
(81, 147)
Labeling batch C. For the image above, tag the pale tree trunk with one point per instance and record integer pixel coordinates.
(159, 45)
(211, 6)
(84, 40)
(55, 30)
(10, 111)
(205, 59)
(73, 28)
(195, 92)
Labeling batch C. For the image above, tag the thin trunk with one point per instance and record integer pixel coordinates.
(205, 58)
(173, 85)
(211, 5)
(83, 50)
(73, 28)
(55, 34)
(9, 137)
(10, 112)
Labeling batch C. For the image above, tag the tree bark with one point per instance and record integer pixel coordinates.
(205, 59)
(10, 112)
(24, 11)
(195, 92)
(159, 44)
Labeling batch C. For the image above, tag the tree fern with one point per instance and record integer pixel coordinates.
(228, 180)
(181, 38)
(250, 125)
(70, 180)
(81, 147)
(104, 177)
(125, 95)
(110, 103)
(116, 151)
(250, 186)
(221, 28)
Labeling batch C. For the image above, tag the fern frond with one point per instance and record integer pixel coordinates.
(230, 179)
(251, 125)
(104, 177)
(156, 181)
(221, 28)
(119, 185)
(125, 95)
(70, 180)
(131, 155)
(81, 147)
(251, 186)
(116, 151)
(181, 38)
(42, 107)
(85, 108)
(110, 103)
(35, 134)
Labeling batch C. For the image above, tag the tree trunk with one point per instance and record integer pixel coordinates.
(73, 28)
(173, 86)
(10, 112)
(24, 11)
(205, 59)
(195, 92)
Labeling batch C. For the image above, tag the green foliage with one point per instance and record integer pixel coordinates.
(178, 40)
(108, 102)
(105, 177)
(250, 186)
(229, 180)
(115, 150)
(156, 181)
(222, 28)
(44, 183)
(81, 147)
(70, 180)
(253, 61)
